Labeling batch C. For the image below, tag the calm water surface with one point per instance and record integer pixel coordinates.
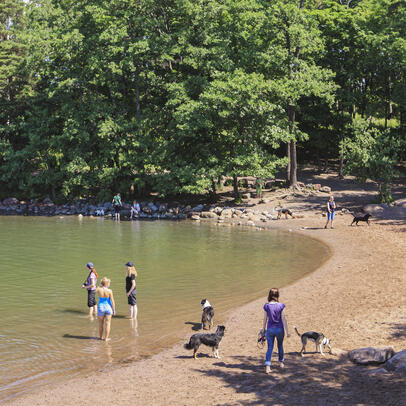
(44, 332)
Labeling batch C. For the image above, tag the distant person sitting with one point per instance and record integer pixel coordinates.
(117, 206)
(135, 209)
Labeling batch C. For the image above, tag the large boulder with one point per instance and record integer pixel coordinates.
(397, 363)
(400, 203)
(199, 207)
(371, 356)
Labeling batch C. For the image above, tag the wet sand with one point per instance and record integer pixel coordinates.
(356, 299)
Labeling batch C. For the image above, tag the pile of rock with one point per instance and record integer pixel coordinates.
(384, 356)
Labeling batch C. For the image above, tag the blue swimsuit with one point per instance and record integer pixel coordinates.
(105, 307)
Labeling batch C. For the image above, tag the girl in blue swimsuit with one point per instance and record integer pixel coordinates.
(106, 307)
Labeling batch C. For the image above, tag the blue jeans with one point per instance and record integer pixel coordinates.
(271, 333)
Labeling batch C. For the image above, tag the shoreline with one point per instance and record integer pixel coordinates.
(336, 298)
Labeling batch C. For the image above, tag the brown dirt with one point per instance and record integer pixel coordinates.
(356, 298)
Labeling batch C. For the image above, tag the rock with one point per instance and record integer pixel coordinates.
(372, 356)
(345, 211)
(265, 200)
(152, 207)
(217, 210)
(208, 215)
(300, 184)
(47, 200)
(199, 207)
(246, 196)
(325, 189)
(10, 201)
(169, 215)
(237, 213)
(227, 213)
(316, 186)
(162, 208)
(299, 216)
(400, 203)
(250, 223)
(397, 363)
(181, 216)
(268, 185)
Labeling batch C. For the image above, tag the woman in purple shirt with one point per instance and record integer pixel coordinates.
(275, 325)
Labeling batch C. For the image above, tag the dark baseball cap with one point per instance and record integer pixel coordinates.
(90, 265)
(129, 263)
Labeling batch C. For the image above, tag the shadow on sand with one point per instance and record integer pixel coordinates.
(312, 380)
(195, 326)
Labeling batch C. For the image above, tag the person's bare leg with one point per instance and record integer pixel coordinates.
(101, 322)
(135, 312)
(326, 223)
(95, 310)
(130, 308)
(108, 325)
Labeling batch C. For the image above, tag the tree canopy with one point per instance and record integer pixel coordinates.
(170, 96)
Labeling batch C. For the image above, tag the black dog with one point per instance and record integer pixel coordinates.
(207, 314)
(211, 340)
(363, 218)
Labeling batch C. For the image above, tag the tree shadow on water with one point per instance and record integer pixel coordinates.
(312, 380)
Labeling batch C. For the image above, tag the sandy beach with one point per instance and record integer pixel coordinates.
(356, 299)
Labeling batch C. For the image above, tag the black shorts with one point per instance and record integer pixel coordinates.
(117, 208)
(132, 300)
(91, 298)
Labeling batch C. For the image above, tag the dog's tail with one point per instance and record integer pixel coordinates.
(188, 345)
(297, 331)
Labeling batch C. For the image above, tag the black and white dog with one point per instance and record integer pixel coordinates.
(207, 315)
(211, 340)
(361, 218)
(318, 338)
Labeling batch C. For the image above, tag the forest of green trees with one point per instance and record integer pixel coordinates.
(169, 96)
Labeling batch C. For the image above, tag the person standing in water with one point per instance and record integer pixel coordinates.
(106, 308)
(90, 285)
(130, 288)
(331, 208)
(274, 326)
(117, 206)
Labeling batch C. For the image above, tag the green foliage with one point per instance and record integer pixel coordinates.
(372, 153)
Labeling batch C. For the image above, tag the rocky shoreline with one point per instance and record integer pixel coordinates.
(154, 210)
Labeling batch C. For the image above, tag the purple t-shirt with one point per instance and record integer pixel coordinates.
(274, 312)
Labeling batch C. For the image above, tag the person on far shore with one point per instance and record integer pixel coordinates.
(117, 206)
(130, 288)
(90, 285)
(135, 209)
(331, 208)
(274, 326)
(106, 308)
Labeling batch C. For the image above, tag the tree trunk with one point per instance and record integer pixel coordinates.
(288, 165)
(235, 186)
(213, 191)
(292, 147)
(293, 164)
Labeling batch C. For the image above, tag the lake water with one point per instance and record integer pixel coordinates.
(44, 332)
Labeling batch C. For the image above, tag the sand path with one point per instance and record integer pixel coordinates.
(356, 298)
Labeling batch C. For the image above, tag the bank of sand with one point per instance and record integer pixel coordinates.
(356, 298)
